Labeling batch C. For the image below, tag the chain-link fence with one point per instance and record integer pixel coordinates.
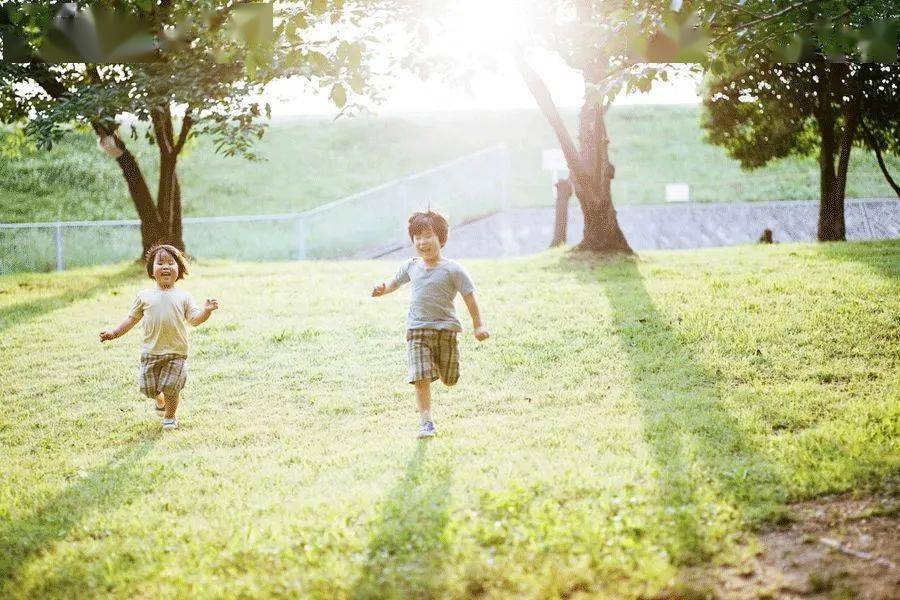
(467, 188)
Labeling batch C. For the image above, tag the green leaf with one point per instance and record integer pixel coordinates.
(339, 95)
(355, 55)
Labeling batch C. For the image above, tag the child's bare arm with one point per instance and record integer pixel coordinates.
(209, 306)
(120, 330)
(481, 332)
(385, 287)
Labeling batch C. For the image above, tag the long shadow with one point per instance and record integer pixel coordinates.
(403, 558)
(881, 257)
(702, 453)
(22, 312)
(101, 489)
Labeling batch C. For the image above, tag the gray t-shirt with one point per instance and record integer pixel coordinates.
(433, 292)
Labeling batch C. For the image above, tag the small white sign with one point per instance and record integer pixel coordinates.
(678, 192)
(554, 160)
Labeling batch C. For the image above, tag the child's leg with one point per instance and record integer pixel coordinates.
(160, 401)
(171, 406)
(423, 399)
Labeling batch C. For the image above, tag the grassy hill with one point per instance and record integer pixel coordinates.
(310, 161)
(627, 420)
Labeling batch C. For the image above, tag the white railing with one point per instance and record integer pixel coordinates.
(466, 188)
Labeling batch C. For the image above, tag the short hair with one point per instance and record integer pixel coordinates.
(155, 249)
(435, 221)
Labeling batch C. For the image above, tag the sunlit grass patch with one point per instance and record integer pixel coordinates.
(627, 419)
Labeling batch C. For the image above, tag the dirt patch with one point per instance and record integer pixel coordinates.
(834, 547)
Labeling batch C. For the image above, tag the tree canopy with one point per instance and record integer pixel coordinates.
(203, 64)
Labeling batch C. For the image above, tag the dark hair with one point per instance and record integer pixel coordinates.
(150, 258)
(435, 221)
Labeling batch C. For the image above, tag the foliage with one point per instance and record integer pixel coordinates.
(199, 64)
(768, 111)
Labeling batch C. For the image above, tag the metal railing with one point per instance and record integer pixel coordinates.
(467, 188)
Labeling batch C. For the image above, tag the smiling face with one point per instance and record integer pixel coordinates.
(427, 244)
(165, 269)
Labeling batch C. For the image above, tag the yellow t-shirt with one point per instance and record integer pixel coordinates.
(165, 314)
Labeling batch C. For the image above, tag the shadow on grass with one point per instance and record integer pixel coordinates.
(881, 257)
(703, 454)
(87, 287)
(99, 490)
(404, 555)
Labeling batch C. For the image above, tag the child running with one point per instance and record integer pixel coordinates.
(165, 311)
(431, 324)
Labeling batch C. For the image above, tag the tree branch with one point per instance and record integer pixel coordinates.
(765, 18)
(159, 117)
(185, 130)
(545, 101)
(874, 144)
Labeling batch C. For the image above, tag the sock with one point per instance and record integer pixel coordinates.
(171, 407)
(424, 415)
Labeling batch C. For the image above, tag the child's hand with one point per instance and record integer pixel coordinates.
(211, 304)
(481, 333)
(107, 335)
(379, 290)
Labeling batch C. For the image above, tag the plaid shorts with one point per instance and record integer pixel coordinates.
(433, 354)
(164, 373)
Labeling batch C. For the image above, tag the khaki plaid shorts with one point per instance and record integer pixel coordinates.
(164, 373)
(433, 354)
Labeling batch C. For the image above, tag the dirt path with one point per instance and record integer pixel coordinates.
(834, 547)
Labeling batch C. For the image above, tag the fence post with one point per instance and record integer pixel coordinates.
(58, 237)
(403, 191)
(504, 178)
(301, 237)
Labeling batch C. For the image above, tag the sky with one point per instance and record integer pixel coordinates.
(475, 32)
(500, 90)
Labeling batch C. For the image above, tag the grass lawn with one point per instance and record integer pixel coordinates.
(627, 420)
(310, 161)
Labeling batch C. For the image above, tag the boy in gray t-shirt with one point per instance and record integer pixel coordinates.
(431, 325)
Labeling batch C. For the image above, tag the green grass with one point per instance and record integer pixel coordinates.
(311, 161)
(627, 419)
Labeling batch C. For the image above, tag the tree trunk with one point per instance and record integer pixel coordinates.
(851, 125)
(151, 225)
(177, 227)
(168, 199)
(601, 226)
(165, 196)
(560, 226)
(831, 206)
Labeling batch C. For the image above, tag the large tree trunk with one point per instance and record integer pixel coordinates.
(831, 225)
(177, 227)
(153, 229)
(168, 200)
(590, 176)
(838, 231)
(151, 224)
(601, 225)
(561, 225)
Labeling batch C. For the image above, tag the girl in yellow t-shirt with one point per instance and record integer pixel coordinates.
(166, 311)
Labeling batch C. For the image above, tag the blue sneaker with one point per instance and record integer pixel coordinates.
(169, 424)
(426, 430)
